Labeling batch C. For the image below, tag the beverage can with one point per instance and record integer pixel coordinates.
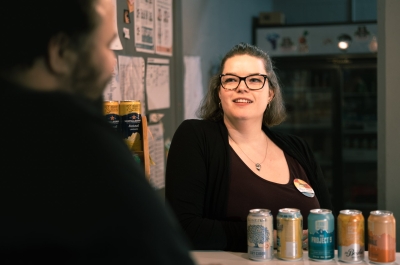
(381, 237)
(111, 112)
(289, 225)
(131, 118)
(321, 235)
(260, 244)
(350, 225)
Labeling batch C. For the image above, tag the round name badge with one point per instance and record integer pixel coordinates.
(304, 188)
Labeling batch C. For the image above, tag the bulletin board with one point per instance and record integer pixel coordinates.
(145, 69)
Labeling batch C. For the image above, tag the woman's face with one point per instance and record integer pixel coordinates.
(243, 103)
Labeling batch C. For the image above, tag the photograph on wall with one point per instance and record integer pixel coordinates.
(144, 25)
(131, 77)
(157, 83)
(163, 25)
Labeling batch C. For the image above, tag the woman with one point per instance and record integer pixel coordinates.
(230, 162)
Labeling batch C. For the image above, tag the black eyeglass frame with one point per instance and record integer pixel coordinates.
(244, 80)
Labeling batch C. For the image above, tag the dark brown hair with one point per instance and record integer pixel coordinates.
(41, 20)
(273, 115)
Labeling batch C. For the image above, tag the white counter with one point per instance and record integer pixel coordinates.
(236, 258)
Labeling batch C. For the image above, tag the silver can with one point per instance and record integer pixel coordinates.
(260, 244)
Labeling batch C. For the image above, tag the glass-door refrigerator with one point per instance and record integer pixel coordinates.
(331, 103)
(330, 96)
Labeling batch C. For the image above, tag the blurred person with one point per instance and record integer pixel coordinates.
(229, 162)
(70, 190)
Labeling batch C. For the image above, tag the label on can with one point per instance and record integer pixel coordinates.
(129, 110)
(111, 112)
(289, 224)
(260, 245)
(350, 236)
(381, 237)
(321, 235)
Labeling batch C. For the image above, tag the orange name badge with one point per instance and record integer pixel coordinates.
(304, 188)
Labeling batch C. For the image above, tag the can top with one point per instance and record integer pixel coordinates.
(350, 212)
(289, 210)
(260, 212)
(110, 101)
(289, 213)
(320, 211)
(381, 213)
(130, 100)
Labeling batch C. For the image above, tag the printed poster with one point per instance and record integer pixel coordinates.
(163, 11)
(131, 77)
(157, 154)
(144, 25)
(112, 90)
(157, 83)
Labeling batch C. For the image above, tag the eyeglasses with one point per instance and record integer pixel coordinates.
(252, 82)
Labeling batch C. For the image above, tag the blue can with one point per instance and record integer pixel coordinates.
(321, 235)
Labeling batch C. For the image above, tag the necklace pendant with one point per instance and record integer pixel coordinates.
(258, 166)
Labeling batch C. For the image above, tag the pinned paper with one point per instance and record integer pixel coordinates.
(156, 117)
(126, 33)
(116, 44)
(130, 5)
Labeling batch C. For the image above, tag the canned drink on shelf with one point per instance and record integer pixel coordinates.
(350, 225)
(381, 237)
(131, 118)
(321, 235)
(111, 112)
(260, 244)
(289, 224)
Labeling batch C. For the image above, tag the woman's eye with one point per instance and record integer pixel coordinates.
(255, 80)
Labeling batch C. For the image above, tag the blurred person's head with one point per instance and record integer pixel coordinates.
(49, 45)
(274, 112)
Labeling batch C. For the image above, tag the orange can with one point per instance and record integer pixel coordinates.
(381, 237)
(350, 224)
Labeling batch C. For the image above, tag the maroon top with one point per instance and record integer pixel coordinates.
(249, 191)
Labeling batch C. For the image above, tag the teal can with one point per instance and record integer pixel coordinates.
(321, 235)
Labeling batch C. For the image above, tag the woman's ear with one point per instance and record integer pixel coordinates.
(271, 95)
(61, 57)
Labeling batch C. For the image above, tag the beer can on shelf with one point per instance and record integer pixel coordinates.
(131, 118)
(289, 225)
(350, 225)
(381, 237)
(111, 112)
(321, 235)
(260, 244)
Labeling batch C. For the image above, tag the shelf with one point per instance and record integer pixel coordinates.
(359, 94)
(324, 126)
(143, 149)
(360, 206)
(360, 131)
(360, 155)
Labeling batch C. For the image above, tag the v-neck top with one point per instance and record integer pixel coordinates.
(249, 191)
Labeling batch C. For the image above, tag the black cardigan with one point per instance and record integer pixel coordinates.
(197, 181)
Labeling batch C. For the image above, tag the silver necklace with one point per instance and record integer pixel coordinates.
(258, 165)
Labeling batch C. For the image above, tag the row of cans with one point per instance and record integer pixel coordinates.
(321, 235)
(125, 118)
